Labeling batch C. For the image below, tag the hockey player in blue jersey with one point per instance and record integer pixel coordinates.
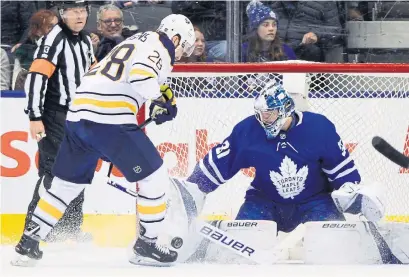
(303, 170)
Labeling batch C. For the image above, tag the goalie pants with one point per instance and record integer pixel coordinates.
(54, 122)
(288, 217)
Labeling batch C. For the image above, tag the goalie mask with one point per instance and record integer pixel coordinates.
(272, 108)
(179, 25)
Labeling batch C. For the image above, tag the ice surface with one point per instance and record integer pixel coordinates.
(87, 260)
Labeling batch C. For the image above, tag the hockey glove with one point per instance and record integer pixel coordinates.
(354, 199)
(163, 109)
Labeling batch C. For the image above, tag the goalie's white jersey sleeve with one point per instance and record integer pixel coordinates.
(113, 91)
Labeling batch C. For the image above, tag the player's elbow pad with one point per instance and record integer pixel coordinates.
(354, 199)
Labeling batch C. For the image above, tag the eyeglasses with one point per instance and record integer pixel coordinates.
(117, 21)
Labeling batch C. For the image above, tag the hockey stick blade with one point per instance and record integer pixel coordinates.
(390, 152)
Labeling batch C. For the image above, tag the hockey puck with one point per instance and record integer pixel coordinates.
(177, 242)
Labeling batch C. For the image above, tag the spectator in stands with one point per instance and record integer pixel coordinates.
(14, 22)
(199, 54)
(5, 77)
(309, 27)
(264, 44)
(110, 26)
(210, 17)
(40, 24)
(45, 5)
(200, 83)
(124, 4)
(354, 13)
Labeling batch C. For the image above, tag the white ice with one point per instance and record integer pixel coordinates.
(86, 260)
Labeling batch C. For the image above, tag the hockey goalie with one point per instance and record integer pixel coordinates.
(305, 184)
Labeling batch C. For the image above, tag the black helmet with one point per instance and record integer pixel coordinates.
(61, 5)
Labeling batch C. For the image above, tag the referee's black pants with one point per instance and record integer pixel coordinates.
(70, 224)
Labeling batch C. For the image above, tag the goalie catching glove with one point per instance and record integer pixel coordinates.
(164, 108)
(354, 199)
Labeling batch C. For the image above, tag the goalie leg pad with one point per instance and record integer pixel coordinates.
(184, 203)
(261, 233)
(356, 242)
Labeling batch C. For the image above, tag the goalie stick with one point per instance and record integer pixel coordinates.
(238, 246)
(383, 147)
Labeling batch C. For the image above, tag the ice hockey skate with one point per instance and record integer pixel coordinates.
(28, 252)
(149, 252)
(152, 254)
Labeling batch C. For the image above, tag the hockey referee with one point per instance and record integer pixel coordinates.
(63, 56)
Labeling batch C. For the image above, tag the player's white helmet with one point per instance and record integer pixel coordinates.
(272, 107)
(178, 24)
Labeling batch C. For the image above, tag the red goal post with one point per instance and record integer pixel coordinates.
(363, 100)
(291, 67)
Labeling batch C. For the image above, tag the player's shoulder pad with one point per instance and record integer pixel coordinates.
(246, 125)
(168, 44)
(319, 121)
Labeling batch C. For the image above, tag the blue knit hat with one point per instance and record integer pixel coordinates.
(257, 13)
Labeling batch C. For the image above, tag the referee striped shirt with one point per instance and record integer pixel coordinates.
(60, 61)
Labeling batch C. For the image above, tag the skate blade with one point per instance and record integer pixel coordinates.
(23, 261)
(139, 260)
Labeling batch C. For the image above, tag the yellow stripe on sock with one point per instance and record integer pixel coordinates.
(50, 209)
(151, 209)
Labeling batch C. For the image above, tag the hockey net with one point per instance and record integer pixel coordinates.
(363, 100)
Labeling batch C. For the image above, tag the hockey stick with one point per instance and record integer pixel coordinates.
(218, 236)
(143, 125)
(390, 152)
(121, 188)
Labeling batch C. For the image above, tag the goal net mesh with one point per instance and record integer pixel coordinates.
(361, 105)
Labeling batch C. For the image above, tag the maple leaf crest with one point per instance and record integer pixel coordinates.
(289, 183)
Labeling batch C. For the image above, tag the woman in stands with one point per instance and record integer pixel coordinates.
(202, 84)
(264, 44)
(39, 25)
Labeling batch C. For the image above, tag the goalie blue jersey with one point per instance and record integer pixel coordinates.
(308, 160)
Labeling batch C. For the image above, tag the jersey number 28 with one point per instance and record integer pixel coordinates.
(114, 66)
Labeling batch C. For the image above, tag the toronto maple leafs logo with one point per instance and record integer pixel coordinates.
(290, 182)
